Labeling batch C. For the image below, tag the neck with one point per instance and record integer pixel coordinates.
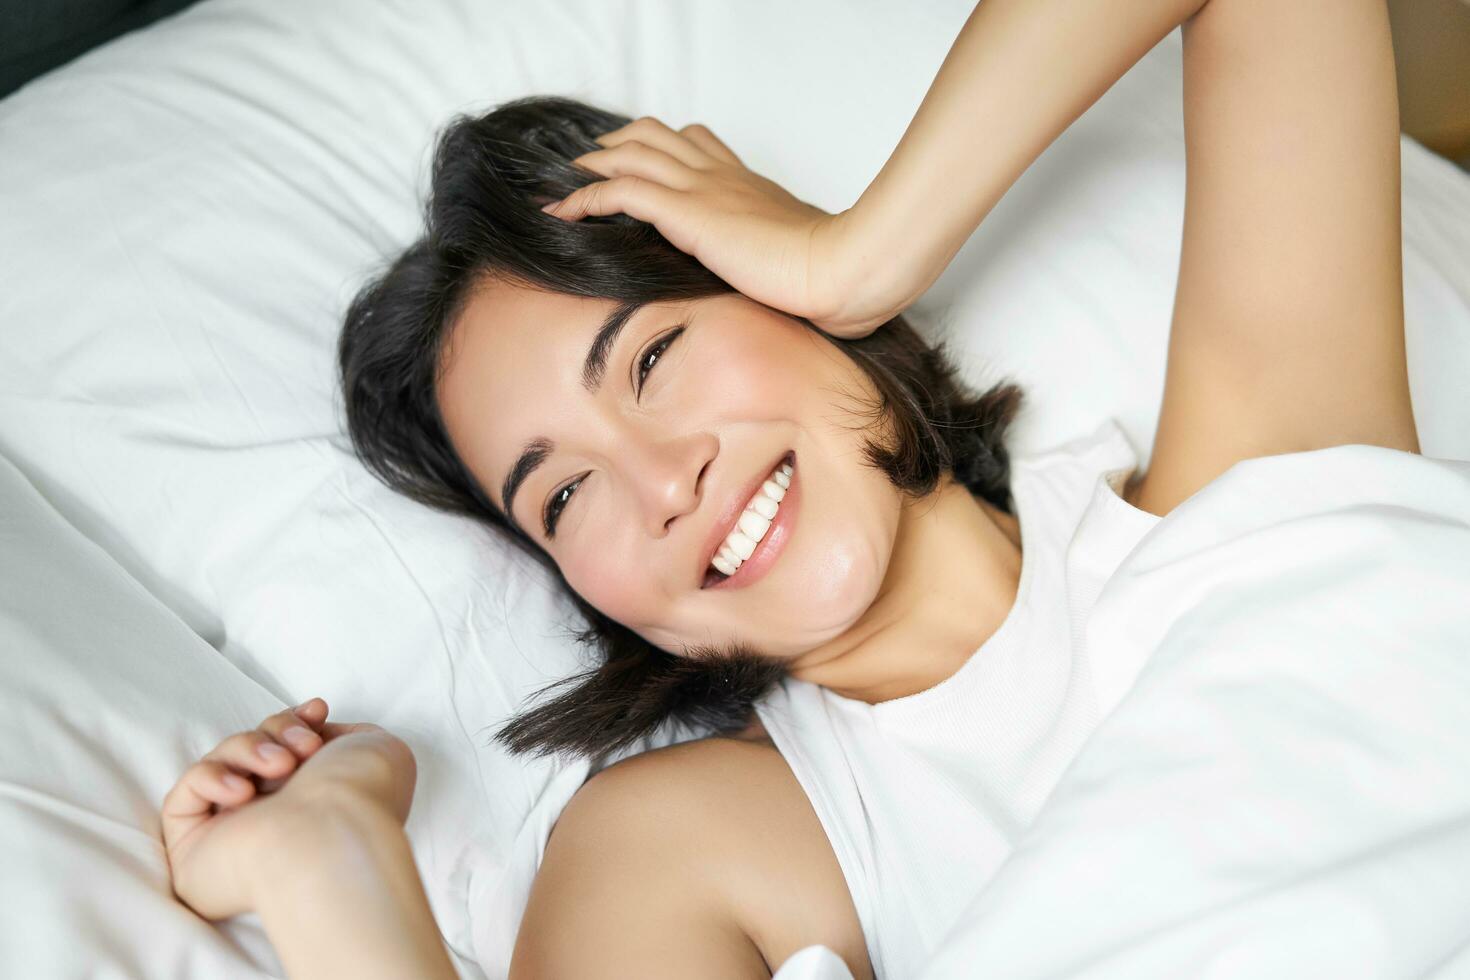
(951, 582)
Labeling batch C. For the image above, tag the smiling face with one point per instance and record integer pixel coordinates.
(645, 467)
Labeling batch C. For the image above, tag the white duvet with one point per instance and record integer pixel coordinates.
(1284, 789)
(187, 543)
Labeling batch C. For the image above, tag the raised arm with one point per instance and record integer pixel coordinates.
(1017, 75)
(1288, 320)
(1288, 330)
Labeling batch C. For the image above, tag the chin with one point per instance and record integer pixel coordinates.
(800, 612)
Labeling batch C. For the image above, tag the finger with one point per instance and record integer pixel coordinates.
(287, 728)
(255, 752)
(700, 136)
(204, 785)
(183, 807)
(332, 728)
(658, 135)
(638, 159)
(313, 711)
(633, 196)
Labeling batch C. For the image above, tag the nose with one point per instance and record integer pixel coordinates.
(667, 476)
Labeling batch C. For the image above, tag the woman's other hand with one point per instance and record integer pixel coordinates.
(745, 229)
(232, 813)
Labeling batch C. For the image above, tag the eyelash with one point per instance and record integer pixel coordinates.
(562, 497)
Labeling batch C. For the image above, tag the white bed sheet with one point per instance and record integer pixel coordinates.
(103, 691)
(188, 209)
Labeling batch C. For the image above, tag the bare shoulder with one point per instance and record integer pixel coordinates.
(703, 858)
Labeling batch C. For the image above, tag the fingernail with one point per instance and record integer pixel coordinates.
(271, 752)
(235, 782)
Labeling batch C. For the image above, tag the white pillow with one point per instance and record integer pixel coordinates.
(188, 210)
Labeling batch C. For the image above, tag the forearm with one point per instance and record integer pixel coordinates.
(345, 900)
(1018, 74)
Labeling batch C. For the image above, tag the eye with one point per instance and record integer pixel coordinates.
(559, 500)
(651, 355)
(556, 505)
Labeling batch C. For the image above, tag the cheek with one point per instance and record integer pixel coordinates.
(758, 370)
(610, 585)
(840, 553)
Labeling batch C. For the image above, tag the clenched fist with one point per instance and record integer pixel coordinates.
(231, 811)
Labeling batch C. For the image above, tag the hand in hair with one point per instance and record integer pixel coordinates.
(746, 229)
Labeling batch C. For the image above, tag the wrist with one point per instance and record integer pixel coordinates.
(341, 896)
(873, 279)
(308, 842)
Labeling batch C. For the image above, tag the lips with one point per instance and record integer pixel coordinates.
(729, 513)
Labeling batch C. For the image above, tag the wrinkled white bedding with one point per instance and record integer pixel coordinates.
(1282, 792)
(102, 691)
(185, 213)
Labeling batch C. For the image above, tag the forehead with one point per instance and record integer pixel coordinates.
(506, 325)
(511, 370)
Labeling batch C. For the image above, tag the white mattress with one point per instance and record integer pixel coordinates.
(186, 212)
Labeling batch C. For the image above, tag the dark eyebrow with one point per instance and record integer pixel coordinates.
(607, 335)
(593, 368)
(531, 457)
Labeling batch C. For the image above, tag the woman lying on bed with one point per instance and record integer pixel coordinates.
(783, 517)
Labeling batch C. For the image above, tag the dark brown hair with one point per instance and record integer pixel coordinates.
(491, 174)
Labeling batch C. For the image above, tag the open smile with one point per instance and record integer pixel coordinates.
(754, 528)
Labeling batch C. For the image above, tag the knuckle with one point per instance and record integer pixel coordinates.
(390, 751)
(231, 747)
(649, 124)
(699, 128)
(278, 723)
(400, 747)
(208, 769)
(246, 741)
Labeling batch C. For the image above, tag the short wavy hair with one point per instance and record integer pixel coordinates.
(491, 175)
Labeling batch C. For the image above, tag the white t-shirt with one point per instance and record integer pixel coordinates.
(923, 797)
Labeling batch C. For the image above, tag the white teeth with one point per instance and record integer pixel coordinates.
(753, 524)
(763, 505)
(754, 521)
(741, 544)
